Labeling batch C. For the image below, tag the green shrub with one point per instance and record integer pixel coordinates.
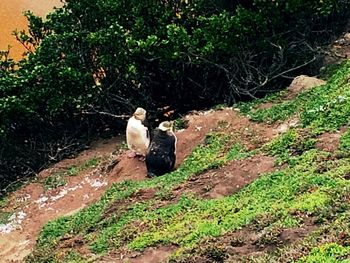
(113, 56)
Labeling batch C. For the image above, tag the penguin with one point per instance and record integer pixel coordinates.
(161, 154)
(137, 133)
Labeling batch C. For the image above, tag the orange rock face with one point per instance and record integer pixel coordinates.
(11, 18)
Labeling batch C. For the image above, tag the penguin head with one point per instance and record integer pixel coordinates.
(140, 114)
(166, 126)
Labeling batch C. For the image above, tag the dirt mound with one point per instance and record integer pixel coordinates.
(241, 245)
(329, 142)
(230, 178)
(153, 254)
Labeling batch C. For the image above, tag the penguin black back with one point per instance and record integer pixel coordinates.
(161, 155)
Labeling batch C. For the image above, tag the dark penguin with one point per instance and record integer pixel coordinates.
(161, 154)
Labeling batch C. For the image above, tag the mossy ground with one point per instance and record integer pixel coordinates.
(310, 185)
(59, 179)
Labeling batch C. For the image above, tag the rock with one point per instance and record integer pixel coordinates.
(347, 37)
(304, 82)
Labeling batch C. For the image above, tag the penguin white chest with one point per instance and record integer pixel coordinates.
(137, 136)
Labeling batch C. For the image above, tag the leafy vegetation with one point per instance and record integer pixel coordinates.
(58, 179)
(103, 56)
(54, 181)
(331, 252)
(4, 216)
(290, 144)
(324, 108)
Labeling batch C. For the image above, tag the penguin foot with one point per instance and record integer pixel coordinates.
(131, 154)
(142, 158)
(150, 175)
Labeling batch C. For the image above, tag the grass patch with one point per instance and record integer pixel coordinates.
(189, 220)
(180, 124)
(238, 152)
(330, 253)
(323, 108)
(54, 181)
(290, 145)
(4, 217)
(59, 179)
(74, 257)
(328, 243)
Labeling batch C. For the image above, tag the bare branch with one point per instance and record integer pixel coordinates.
(122, 116)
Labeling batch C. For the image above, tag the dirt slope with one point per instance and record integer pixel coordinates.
(34, 206)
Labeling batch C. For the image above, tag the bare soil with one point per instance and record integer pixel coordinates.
(238, 246)
(152, 254)
(329, 142)
(230, 178)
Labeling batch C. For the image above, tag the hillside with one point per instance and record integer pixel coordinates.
(263, 181)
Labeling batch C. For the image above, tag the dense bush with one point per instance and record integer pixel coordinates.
(111, 56)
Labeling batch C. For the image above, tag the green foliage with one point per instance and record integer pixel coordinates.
(311, 201)
(74, 257)
(238, 152)
(58, 179)
(103, 55)
(4, 216)
(180, 124)
(326, 243)
(345, 141)
(323, 108)
(330, 252)
(54, 181)
(290, 144)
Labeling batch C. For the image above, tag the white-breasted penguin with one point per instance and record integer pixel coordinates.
(137, 133)
(161, 154)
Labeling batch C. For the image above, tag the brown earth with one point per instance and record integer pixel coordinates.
(238, 246)
(230, 178)
(328, 141)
